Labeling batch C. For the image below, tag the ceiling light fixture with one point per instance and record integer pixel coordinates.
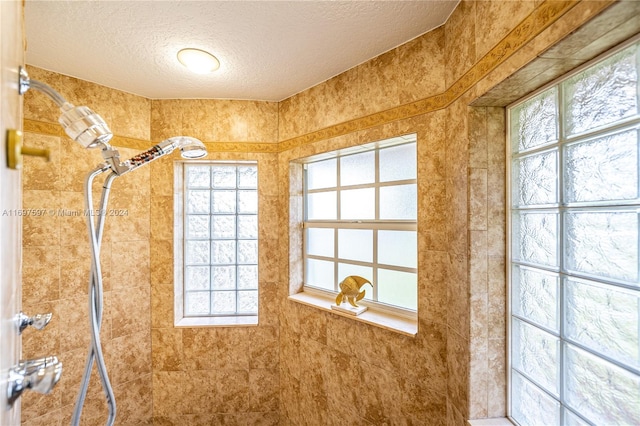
(198, 61)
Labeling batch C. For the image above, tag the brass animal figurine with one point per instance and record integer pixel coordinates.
(350, 290)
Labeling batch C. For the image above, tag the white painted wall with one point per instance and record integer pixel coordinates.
(11, 57)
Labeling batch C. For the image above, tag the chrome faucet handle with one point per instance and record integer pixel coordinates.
(38, 321)
(39, 375)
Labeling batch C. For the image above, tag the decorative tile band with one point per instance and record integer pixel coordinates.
(540, 19)
(537, 21)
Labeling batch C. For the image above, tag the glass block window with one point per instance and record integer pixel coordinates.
(360, 219)
(574, 263)
(220, 239)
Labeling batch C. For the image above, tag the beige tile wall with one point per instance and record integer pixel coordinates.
(56, 260)
(461, 221)
(215, 375)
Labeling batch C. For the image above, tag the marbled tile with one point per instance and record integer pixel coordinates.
(314, 405)
(454, 416)
(52, 418)
(432, 145)
(496, 378)
(435, 265)
(270, 304)
(216, 348)
(458, 372)
(161, 216)
(421, 405)
(74, 326)
(378, 82)
(161, 177)
(133, 400)
(166, 119)
(497, 296)
(337, 100)
(245, 121)
(460, 41)
(167, 354)
(458, 307)
(169, 389)
(162, 315)
(232, 387)
(226, 419)
(161, 261)
(292, 116)
(73, 220)
(130, 264)
(267, 263)
(380, 393)
(478, 379)
(128, 357)
(432, 215)
(268, 217)
(478, 138)
(75, 263)
(130, 115)
(40, 274)
(289, 400)
(313, 324)
(426, 357)
(290, 350)
(268, 182)
(264, 348)
(421, 63)
(130, 309)
(264, 389)
(494, 20)
(40, 224)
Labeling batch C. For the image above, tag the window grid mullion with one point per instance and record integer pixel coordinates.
(235, 290)
(373, 225)
(561, 249)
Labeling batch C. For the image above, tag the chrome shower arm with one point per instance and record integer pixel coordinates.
(80, 123)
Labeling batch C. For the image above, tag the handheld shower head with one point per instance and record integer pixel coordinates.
(79, 123)
(190, 147)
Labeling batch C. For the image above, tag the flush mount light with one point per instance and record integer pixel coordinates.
(198, 61)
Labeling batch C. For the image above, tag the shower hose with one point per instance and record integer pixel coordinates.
(96, 302)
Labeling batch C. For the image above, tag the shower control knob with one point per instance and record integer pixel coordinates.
(38, 321)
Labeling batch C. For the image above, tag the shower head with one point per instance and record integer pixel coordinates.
(190, 147)
(79, 123)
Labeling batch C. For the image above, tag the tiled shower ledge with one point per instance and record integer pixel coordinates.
(498, 421)
(384, 320)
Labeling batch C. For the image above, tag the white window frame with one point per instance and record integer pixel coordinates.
(180, 217)
(374, 225)
(560, 209)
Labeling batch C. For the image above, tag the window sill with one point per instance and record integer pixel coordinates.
(498, 421)
(238, 321)
(388, 321)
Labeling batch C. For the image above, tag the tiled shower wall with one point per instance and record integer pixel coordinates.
(56, 257)
(455, 367)
(300, 365)
(216, 375)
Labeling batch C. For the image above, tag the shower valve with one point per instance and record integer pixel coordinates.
(38, 321)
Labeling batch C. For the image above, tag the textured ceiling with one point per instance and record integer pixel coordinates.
(269, 50)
